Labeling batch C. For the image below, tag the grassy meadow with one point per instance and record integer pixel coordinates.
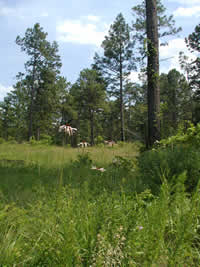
(58, 208)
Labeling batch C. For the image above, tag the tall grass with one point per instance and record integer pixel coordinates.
(71, 215)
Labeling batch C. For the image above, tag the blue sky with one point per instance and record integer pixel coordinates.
(79, 27)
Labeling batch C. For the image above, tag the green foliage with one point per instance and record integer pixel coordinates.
(124, 164)
(189, 136)
(117, 62)
(32, 141)
(176, 101)
(2, 140)
(45, 139)
(99, 139)
(72, 215)
(69, 226)
(83, 161)
(170, 163)
(192, 69)
(37, 95)
(166, 25)
(11, 140)
(89, 96)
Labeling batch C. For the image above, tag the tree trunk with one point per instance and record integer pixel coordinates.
(121, 102)
(38, 134)
(174, 111)
(153, 72)
(30, 128)
(92, 127)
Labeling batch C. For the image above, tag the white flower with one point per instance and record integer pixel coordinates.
(98, 169)
(93, 168)
(102, 169)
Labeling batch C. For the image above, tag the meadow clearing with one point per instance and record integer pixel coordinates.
(58, 209)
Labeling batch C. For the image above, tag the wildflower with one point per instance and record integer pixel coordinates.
(101, 169)
(117, 236)
(98, 169)
(140, 227)
(99, 236)
(93, 168)
(84, 144)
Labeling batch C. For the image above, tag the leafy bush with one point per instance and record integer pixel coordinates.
(45, 139)
(83, 160)
(2, 140)
(189, 136)
(99, 139)
(32, 141)
(155, 164)
(11, 140)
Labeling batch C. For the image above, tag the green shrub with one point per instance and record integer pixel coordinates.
(189, 136)
(32, 141)
(83, 160)
(45, 139)
(155, 164)
(11, 140)
(2, 140)
(99, 139)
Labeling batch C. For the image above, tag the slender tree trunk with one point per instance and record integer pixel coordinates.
(153, 72)
(30, 128)
(121, 102)
(38, 134)
(174, 112)
(92, 127)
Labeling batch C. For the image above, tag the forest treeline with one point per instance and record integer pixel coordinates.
(103, 103)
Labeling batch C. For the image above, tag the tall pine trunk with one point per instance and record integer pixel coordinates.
(121, 101)
(153, 72)
(30, 127)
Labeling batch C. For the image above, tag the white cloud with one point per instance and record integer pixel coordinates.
(187, 11)
(134, 76)
(93, 18)
(76, 31)
(169, 55)
(4, 90)
(186, 2)
(44, 14)
(21, 12)
(7, 11)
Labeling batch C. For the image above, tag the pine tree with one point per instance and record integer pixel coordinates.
(193, 43)
(166, 27)
(117, 62)
(152, 73)
(89, 94)
(41, 73)
(175, 101)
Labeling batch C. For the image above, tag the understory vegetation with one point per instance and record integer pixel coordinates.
(101, 206)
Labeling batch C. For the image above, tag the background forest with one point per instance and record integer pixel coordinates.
(103, 103)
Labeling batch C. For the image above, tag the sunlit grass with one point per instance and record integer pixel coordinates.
(54, 157)
(56, 210)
